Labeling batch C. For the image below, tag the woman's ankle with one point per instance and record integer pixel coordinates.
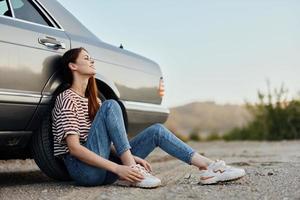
(127, 158)
(200, 161)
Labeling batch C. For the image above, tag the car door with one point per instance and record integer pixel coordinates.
(30, 43)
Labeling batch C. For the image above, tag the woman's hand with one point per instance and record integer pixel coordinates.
(143, 162)
(129, 174)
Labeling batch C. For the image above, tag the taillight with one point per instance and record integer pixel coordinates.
(161, 87)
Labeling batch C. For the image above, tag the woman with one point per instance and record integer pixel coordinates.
(91, 138)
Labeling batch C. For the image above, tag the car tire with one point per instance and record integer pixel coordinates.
(42, 150)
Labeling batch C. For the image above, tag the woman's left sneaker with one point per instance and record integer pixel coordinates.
(218, 171)
(149, 180)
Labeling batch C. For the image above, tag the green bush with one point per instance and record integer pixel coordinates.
(194, 135)
(276, 119)
(213, 137)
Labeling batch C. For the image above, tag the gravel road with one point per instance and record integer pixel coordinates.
(273, 172)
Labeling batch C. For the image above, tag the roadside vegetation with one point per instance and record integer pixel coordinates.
(274, 118)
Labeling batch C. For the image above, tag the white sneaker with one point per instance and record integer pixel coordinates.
(218, 171)
(149, 180)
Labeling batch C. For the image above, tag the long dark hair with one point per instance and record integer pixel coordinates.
(91, 91)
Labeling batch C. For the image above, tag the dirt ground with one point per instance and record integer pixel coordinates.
(273, 172)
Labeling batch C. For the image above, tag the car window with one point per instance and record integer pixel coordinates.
(4, 10)
(26, 10)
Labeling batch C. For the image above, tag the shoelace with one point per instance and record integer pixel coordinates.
(218, 165)
(141, 169)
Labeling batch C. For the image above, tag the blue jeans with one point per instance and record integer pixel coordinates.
(108, 127)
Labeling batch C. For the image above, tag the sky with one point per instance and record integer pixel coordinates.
(216, 50)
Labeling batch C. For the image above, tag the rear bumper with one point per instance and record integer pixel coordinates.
(140, 115)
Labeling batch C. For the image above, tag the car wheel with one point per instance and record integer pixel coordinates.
(42, 149)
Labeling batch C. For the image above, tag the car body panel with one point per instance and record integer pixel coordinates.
(136, 77)
(25, 67)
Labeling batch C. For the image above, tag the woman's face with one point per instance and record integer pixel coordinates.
(85, 64)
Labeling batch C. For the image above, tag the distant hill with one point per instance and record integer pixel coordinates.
(206, 118)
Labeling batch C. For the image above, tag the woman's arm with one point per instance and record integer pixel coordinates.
(137, 159)
(87, 156)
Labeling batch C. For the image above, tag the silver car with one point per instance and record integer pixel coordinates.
(33, 36)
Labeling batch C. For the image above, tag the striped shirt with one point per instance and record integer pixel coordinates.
(69, 116)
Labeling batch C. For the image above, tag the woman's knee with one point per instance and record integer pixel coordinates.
(158, 130)
(110, 102)
(157, 126)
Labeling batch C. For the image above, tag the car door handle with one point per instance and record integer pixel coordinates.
(52, 43)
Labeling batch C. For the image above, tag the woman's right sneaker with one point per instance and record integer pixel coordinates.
(218, 171)
(149, 180)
